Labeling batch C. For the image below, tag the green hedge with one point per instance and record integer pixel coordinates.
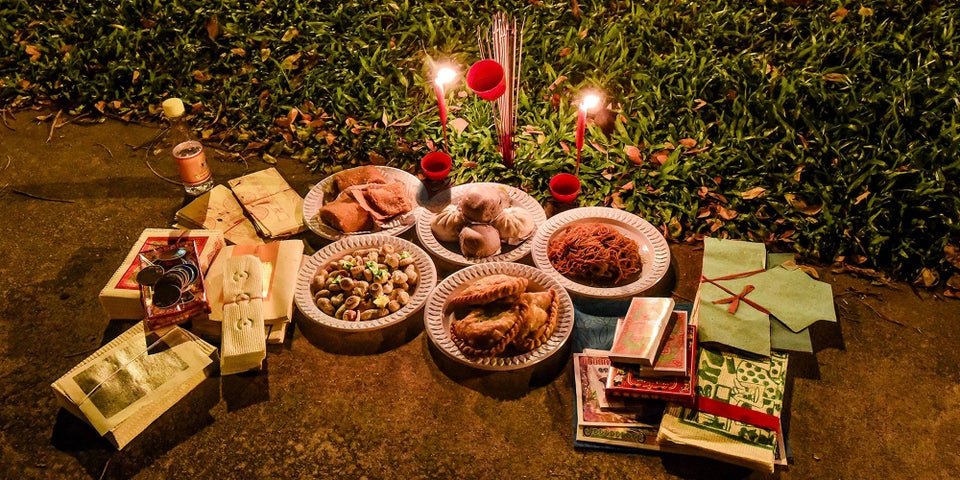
(846, 119)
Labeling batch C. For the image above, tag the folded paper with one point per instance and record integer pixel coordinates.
(243, 342)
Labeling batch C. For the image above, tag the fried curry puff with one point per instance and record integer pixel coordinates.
(501, 316)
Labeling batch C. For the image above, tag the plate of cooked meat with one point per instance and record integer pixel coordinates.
(499, 316)
(363, 200)
(600, 252)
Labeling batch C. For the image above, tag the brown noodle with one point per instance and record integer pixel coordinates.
(594, 252)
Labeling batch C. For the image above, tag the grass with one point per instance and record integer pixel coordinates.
(824, 127)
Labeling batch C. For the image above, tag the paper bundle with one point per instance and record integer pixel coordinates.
(731, 387)
(280, 264)
(276, 209)
(756, 302)
(218, 209)
(125, 385)
(244, 344)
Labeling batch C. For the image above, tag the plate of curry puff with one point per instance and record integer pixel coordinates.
(363, 200)
(499, 316)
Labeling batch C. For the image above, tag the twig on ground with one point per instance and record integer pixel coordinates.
(105, 148)
(105, 466)
(168, 180)
(53, 126)
(3, 117)
(854, 291)
(40, 197)
(884, 317)
(8, 163)
(74, 119)
(149, 143)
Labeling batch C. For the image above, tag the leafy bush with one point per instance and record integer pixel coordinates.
(793, 122)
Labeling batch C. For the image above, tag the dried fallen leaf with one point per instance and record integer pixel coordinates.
(698, 104)
(270, 159)
(801, 205)
(863, 196)
(839, 14)
(290, 34)
(755, 192)
(952, 252)
(598, 147)
(33, 51)
(835, 77)
(557, 82)
(865, 11)
(213, 28)
(238, 52)
(201, 76)
(565, 147)
(376, 158)
(660, 157)
(290, 62)
(565, 51)
(688, 142)
(617, 202)
(954, 281)
(459, 124)
(726, 213)
(626, 187)
(633, 154)
(928, 278)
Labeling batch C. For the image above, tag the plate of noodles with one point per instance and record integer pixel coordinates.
(599, 252)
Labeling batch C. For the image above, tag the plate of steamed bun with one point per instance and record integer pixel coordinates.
(479, 223)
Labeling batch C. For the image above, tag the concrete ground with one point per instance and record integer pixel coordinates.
(878, 400)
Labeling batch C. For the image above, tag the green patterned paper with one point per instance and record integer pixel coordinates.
(729, 378)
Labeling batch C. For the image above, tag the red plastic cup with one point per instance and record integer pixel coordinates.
(565, 187)
(486, 79)
(436, 165)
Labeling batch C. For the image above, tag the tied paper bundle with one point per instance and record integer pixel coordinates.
(756, 302)
(244, 343)
(275, 208)
(127, 384)
(280, 262)
(737, 418)
(218, 209)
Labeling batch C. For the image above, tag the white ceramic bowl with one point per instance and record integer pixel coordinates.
(654, 251)
(339, 249)
(325, 191)
(450, 251)
(437, 317)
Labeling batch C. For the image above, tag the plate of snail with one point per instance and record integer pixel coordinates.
(365, 282)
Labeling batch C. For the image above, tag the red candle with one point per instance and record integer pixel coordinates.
(590, 100)
(444, 75)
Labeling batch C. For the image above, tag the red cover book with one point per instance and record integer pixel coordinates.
(672, 361)
(642, 332)
(626, 383)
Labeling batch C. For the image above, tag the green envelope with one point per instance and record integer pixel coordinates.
(748, 329)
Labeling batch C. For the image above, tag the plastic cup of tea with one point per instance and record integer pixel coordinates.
(486, 79)
(436, 165)
(565, 187)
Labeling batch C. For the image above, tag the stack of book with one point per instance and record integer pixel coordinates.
(622, 392)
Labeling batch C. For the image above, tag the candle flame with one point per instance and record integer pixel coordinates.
(445, 75)
(589, 101)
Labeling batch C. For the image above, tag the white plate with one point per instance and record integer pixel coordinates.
(437, 319)
(654, 251)
(325, 190)
(452, 197)
(339, 249)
